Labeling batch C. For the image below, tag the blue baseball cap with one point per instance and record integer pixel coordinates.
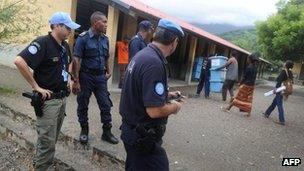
(63, 18)
(145, 24)
(172, 26)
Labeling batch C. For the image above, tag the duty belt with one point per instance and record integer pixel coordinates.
(142, 128)
(59, 95)
(93, 71)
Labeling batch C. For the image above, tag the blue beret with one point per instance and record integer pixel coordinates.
(172, 26)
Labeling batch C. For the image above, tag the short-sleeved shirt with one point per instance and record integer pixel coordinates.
(136, 44)
(123, 52)
(232, 71)
(49, 61)
(145, 86)
(92, 49)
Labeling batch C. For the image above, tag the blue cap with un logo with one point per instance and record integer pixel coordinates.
(172, 26)
(63, 18)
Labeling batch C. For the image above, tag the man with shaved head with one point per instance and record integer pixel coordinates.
(91, 72)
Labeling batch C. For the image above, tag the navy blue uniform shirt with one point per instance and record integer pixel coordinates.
(145, 86)
(136, 44)
(49, 61)
(92, 49)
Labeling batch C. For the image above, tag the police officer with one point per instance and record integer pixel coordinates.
(138, 42)
(91, 71)
(49, 58)
(145, 101)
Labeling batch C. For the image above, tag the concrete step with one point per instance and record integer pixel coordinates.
(70, 154)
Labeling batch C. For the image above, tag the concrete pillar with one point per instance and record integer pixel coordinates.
(113, 17)
(193, 42)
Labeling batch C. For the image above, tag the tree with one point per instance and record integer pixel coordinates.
(245, 38)
(281, 36)
(18, 18)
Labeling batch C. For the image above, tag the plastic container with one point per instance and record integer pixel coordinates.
(217, 77)
(198, 63)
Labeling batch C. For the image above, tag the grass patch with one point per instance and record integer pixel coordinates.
(5, 90)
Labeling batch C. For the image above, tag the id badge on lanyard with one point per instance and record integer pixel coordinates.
(64, 72)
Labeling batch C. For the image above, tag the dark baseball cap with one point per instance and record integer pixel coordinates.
(145, 24)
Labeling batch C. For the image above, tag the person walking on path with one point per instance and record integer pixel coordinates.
(244, 96)
(285, 77)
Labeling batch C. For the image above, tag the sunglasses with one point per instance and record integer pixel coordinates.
(68, 28)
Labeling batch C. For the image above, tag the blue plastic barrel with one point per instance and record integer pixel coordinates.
(198, 63)
(217, 77)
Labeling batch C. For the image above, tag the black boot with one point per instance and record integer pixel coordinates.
(84, 134)
(107, 134)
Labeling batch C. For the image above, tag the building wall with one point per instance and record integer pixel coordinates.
(45, 9)
(48, 7)
(298, 70)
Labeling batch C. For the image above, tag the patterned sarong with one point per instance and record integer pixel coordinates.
(243, 98)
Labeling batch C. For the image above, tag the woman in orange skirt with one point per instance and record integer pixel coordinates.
(244, 96)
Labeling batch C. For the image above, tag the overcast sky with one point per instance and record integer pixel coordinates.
(236, 12)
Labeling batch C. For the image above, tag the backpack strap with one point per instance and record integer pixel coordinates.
(287, 73)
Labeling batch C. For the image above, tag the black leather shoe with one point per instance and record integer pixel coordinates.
(84, 134)
(107, 134)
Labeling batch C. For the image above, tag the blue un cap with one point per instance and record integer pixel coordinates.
(172, 26)
(63, 18)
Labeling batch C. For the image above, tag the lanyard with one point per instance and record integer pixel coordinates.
(63, 58)
(63, 62)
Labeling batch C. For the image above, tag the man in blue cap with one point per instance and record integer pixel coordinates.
(49, 57)
(139, 41)
(91, 71)
(146, 103)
